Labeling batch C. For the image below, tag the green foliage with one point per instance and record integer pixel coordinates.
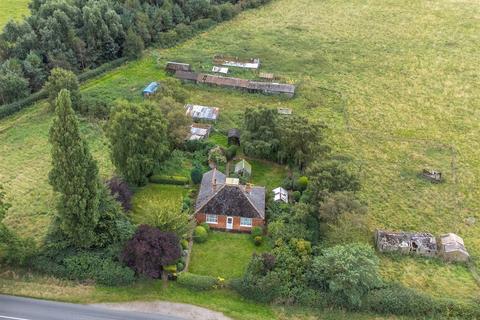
(63, 79)
(142, 126)
(196, 175)
(95, 108)
(330, 176)
(339, 203)
(169, 217)
(296, 195)
(288, 222)
(206, 226)
(231, 152)
(15, 251)
(178, 122)
(196, 282)
(347, 272)
(18, 105)
(89, 266)
(133, 45)
(302, 183)
(184, 244)
(256, 231)
(200, 234)
(216, 156)
(180, 266)
(175, 180)
(258, 240)
(13, 86)
(74, 175)
(260, 137)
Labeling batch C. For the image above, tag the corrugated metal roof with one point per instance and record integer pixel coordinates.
(201, 112)
(151, 88)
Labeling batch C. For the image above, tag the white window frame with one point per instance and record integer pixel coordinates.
(210, 216)
(242, 224)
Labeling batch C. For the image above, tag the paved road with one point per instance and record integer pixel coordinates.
(16, 308)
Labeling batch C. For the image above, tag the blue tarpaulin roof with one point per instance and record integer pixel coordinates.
(151, 88)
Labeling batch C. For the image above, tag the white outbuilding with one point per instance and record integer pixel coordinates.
(280, 194)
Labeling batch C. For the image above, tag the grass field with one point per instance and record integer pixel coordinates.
(223, 255)
(395, 81)
(12, 9)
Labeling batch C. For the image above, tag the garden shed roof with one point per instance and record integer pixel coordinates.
(233, 133)
(151, 88)
(243, 165)
(201, 112)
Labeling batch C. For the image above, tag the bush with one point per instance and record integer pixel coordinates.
(296, 195)
(197, 282)
(396, 299)
(9, 109)
(96, 108)
(206, 226)
(231, 152)
(88, 266)
(302, 183)
(184, 244)
(175, 180)
(180, 266)
(203, 24)
(258, 240)
(120, 190)
(196, 175)
(256, 231)
(200, 234)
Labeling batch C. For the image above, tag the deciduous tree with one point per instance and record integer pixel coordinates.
(138, 138)
(63, 79)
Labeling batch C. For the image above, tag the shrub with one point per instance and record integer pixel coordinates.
(256, 231)
(396, 299)
(296, 195)
(302, 183)
(94, 107)
(231, 152)
(196, 175)
(88, 266)
(120, 190)
(200, 234)
(175, 180)
(206, 226)
(257, 240)
(62, 79)
(196, 282)
(184, 244)
(180, 266)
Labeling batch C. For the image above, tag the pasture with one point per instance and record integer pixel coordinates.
(12, 9)
(393, 81)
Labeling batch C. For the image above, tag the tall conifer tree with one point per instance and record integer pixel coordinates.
(74, 175)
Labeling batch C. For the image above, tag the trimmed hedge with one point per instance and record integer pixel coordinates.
(9, 109)
(197, 282)
(200, 234)
(87, 75)
(175, 180)
(88, 266)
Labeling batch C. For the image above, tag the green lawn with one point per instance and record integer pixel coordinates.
(154, 196)
(12, 9)
(268, 174)
(223, 255)
(400, 75)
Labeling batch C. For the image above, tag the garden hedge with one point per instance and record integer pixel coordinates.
(175, 180)
(196, 282)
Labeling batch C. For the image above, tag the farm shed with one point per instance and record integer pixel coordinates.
(423, 244)
(233, 136)
(229, 61)
(452, 248)
(237, 83)
(150, 89)
(225, 204)
(177, 66)
(280, 194)
(198, 112)
(243, 168)
(223, 70)
(199, 131)
(272, 88)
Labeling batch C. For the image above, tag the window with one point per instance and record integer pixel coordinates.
(212, 218)
(246, 222)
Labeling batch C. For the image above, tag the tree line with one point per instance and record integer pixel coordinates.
(78, 35)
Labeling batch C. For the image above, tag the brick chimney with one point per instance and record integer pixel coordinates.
(214, 180)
